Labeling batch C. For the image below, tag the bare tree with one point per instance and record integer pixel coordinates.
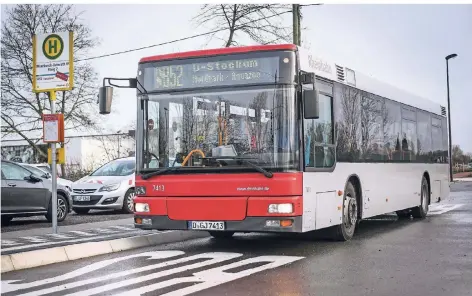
(260, 22)
(114, 146)
(22, 110)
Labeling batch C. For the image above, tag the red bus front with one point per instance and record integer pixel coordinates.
(218, 141)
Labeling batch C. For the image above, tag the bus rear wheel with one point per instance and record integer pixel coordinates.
(422, 210)
(350, 214)
(221, 234)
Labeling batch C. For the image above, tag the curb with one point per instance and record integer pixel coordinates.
(36, 258)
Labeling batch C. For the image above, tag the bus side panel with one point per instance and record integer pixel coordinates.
(386, 188)
(320, 200)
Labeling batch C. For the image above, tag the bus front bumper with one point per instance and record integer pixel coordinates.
(249, 224)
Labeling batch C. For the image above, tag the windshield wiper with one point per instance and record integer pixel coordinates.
(246, 162)
(159, 172)
(257, 168)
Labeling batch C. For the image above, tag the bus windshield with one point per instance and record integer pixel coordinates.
(254, 123)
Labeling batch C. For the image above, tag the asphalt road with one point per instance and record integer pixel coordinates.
(386, 257)
(27, 223)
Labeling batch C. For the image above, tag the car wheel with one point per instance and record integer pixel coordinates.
(80, 211)
(62, 209)
(128, 203)
(6, 220)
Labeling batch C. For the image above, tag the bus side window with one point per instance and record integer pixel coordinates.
(323, 134)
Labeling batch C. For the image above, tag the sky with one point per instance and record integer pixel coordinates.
(403, 45)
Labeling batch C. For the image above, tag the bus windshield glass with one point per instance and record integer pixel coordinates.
(256, 123)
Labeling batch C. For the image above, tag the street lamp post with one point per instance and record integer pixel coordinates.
(451, 56)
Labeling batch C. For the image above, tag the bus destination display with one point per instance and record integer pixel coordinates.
(215, 73)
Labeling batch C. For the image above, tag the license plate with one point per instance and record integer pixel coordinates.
(206, 225)
(82, 198)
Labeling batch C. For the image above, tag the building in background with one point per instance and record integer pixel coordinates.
(86, 152)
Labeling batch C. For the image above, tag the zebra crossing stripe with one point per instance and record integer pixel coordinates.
(212, 277)
(9, 286)
(206, 279)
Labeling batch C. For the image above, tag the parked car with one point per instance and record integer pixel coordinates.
(43, 173)
(109, 187)
(25, 194)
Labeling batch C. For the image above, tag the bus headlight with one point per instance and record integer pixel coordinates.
(285, 208)
(141, 207)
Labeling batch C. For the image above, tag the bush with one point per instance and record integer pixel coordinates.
(75, 172)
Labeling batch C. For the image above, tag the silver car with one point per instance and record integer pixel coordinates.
(26, 193)
(109, 187)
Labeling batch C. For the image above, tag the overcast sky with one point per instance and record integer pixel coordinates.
(404, 45)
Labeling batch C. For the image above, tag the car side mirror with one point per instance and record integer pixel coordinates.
(311, 104)
(105, 98)
(33, 178)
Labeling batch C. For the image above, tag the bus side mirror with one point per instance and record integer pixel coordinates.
(311, 104)
(105, 97)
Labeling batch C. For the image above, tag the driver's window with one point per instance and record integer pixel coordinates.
(14, 172)
(154, 126)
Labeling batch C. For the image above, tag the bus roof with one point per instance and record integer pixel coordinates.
(217, 51)
(322, 68)
(348, 76)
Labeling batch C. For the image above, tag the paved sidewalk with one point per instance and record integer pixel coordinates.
(42, 238)
(66, 228)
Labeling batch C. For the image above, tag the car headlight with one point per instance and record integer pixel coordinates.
(110, 187)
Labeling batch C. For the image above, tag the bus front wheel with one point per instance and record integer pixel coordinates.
(350, 214)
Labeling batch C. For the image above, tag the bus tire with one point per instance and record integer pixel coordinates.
(421, 211)
(350, 215)
(221, 234)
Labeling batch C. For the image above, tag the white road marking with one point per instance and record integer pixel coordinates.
(203, 279)
(123, 228)
(213, 277)
(7, 242)
(105, 230)
(59, 236)
(34, 239)
(9, 286)
(82, 233)
(213, 259)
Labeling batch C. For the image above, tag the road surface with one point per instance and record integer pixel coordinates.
(386, 257)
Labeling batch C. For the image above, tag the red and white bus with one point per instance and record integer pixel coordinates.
(273, 139)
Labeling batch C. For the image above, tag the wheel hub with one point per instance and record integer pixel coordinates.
(350, 211)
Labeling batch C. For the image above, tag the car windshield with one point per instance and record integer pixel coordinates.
(116, 168)
(255, 123)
